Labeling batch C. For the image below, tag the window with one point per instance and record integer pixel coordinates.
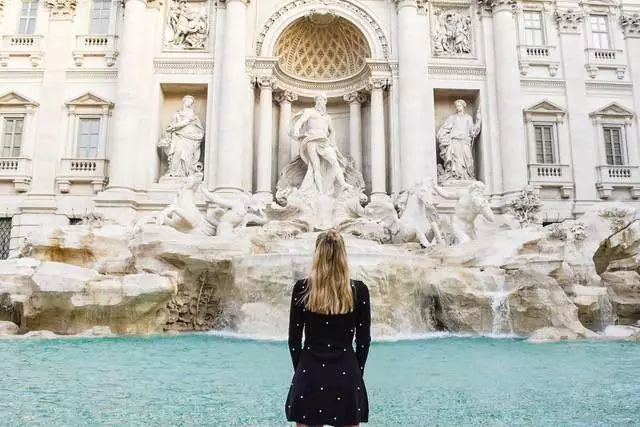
(12, 132)
(100, 14)
(613, 145)
(88, 137)
(545, 143)
(28, 15)
(599, 32)
(5, 237)
(533, 32)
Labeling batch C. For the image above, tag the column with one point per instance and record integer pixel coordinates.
(513, 151)
(265, 139)
(231, 129)
(378, 149)
(417, 145)
(584, 148)
(128, 133)
(287, 147)
(355, 100)
(631, 29)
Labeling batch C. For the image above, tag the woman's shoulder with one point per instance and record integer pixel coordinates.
(300, 285)
(360, 286)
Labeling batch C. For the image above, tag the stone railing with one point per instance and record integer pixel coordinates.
(77, 170)
(552, 175)
(16, 170)
(28, 45)
(545, 56)
(610, 177)
(612, 59)
(95, 45)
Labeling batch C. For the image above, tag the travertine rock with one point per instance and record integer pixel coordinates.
(551, 334)
(8, 328)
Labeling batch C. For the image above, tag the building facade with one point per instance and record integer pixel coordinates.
(90, 90)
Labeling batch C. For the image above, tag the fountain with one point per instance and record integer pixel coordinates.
(232, 268)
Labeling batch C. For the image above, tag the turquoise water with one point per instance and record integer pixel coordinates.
(210, 380)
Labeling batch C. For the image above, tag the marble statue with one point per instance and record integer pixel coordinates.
(183, 214)
(233, 211)
(189, 25)
(455, 141)
(315, 134)
(471, 203)
(320, 183)
(452, 33)
(413, 217)
(182, 141)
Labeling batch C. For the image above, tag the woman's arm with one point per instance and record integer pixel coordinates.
(363, 325)
(296, 324)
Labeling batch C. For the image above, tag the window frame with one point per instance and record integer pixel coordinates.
(80, 119)
(110, 13)
(624, 153)
(3, 126)
(546, 113)
(554, 142)
(15, 105)
(87, 106)
(542, 29)
(607, 31)
(34, 7)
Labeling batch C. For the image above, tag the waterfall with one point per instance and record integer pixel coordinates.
(501, 312)
(607, 317)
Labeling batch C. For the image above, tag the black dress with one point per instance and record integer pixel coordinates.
(328, 386)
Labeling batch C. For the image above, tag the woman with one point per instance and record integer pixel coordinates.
(328, 386)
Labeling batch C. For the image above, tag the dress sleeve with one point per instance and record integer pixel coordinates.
(363, 325)
(296, 324)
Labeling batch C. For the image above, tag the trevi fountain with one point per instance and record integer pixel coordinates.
(149, 270)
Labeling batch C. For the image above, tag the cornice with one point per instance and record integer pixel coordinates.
(170, 66)
(457, 72)
(495, 6)
(91, 74)
(542, 83)
(22, 74)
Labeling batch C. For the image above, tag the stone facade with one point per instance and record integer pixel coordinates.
(89, 89)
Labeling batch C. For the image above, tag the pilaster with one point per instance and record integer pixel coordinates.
(630, 24)
(355, 101)
(378, 148)
(287, 151)
(265, 139)
(583, 147)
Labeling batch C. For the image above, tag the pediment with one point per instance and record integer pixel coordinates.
(613, 110)
(89, 99)
(545, 107)
(14, 99)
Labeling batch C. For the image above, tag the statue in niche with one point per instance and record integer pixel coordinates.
(470, 204)
(316, 138)
(182, 141)
(320, 184)
(452, 34)
(455, 141)
(189, 25)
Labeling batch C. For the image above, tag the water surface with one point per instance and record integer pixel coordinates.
(219, 381)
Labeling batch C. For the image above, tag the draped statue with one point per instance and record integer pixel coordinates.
(455, 141)
(182, 141)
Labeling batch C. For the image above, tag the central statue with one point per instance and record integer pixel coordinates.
(314, 132)
(320, 181)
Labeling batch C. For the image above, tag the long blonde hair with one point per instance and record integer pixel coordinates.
(329, 290)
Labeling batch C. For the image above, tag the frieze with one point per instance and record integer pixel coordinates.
(630, 25)
(328, 4)
(161, 66)
(453, 72)
(91, 74)
(542, 84)
(452, 32)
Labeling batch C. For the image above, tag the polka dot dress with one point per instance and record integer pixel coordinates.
(328, 386)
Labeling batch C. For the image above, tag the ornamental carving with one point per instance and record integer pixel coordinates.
(322, 8)
(187, 25)
(569, 21)
(322, 47)
(630, 24)
(377, 84)
(61, 8)
(355, 98)
(451, 32)
(285, 96)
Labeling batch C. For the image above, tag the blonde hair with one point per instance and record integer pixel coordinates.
(329, 289)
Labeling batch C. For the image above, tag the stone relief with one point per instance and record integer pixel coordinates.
(188, 25)
(455, 142)
(182, 141)
(452, 32)
(470, 204)
(62, 7)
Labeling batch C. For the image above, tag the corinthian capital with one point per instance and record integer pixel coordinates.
(61, 9)
(630, 25)
(377, 84)
(355, 98)
(265, 82)
(569, 21)
(285, 96)
(498, 5)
